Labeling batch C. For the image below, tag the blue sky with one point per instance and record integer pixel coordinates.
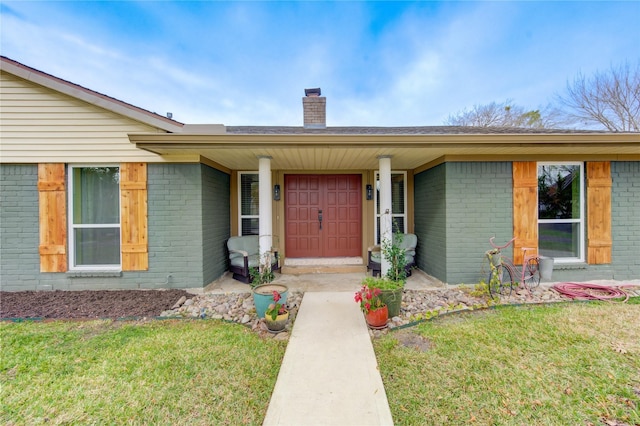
(378, 63)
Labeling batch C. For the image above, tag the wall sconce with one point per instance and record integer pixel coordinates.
(276, 192)
(369, 191)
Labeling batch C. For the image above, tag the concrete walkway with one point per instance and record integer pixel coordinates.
(329, 374)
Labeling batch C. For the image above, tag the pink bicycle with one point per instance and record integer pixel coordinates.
(503, 270)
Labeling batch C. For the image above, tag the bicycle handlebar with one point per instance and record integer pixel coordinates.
(501, 247)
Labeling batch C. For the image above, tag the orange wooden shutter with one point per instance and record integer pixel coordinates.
(53, 217)
(525, 207)
(599, 212)
(133, 209)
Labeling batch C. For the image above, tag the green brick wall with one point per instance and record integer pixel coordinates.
(430, 221)
(216, 223)
(188, 212)
(459, 206)
(625, 229)
(19, 238)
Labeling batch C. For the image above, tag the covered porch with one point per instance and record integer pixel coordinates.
(375, 156)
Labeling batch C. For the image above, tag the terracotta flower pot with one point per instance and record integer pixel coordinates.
(377, 318)
(277, 325)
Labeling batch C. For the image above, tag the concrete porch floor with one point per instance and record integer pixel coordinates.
(348, 282)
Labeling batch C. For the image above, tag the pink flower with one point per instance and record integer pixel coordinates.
(368, 298)
(276, 296)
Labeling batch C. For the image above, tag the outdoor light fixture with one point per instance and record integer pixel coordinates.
(276, 192)
(369, 191)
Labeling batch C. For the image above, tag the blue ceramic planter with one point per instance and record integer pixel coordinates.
(263, 296)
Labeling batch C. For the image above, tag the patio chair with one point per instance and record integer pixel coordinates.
(244, 254)
(409, 243)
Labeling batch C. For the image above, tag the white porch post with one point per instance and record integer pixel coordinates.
(265, 222)
(385, 207)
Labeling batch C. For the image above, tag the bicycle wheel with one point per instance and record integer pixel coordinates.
(531, 274)
(500, 282)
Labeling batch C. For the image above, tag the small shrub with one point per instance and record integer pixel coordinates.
(481, 290)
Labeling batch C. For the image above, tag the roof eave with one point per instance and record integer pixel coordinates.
(413, 140)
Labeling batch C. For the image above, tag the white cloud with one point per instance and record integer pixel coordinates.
(377, 63)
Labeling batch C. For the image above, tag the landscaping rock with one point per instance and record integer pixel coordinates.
(179, 302)
(283, 336)
(416, 304)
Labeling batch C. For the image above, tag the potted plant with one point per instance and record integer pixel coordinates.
(375, 311)
(392, 285)
(276, 315)
(263, 290)
(390, 292)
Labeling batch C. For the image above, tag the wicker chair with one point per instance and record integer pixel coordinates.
(409, 243)
(244, 254)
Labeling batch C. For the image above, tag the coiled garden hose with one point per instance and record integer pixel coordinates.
(591, 291)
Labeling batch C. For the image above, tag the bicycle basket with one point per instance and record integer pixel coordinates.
(494, 256)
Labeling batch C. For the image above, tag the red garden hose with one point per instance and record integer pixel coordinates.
(591, 291)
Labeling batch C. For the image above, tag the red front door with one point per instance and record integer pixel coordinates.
(323, 215)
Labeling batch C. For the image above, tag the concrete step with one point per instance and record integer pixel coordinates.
(322, 269)
(323, 265)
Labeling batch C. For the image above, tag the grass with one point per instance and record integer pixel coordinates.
(158, 372)
(547, 365)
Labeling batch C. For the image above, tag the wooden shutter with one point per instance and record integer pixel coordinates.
(53, 217)
(133, 209)
(599, 212)
(525, 207)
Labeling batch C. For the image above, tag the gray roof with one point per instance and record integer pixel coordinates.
(418, 130)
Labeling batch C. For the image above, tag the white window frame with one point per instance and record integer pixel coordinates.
(581, 221)
(72, 227)
(376, 179)
(240, 215)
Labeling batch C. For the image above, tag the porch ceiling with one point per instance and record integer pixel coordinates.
(409, 152)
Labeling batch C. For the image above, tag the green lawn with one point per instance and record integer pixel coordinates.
(575, 364)
(158, 372)
(554, 365)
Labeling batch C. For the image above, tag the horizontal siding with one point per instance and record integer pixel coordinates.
(39, 124)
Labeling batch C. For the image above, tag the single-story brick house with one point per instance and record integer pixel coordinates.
(97, 193)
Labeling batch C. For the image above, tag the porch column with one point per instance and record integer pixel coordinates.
(386, 230)
(265, 222)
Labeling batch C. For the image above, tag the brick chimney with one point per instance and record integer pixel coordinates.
(315, 109)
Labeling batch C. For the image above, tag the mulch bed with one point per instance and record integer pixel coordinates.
(87, 304)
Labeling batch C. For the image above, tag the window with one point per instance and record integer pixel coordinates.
(398, 203)
(561, 211)
(94, 218)
(249, 199)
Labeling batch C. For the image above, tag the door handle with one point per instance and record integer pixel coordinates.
(320, 218)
